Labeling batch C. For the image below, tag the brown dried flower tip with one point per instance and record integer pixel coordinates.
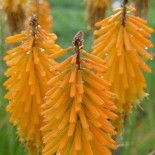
(78, 41)
(33, 23)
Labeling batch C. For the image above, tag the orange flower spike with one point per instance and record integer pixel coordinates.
(42, 10)
(28, 73)
(81, 111)
(124, 55)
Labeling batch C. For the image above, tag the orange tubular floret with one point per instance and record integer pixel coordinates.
(73, 75)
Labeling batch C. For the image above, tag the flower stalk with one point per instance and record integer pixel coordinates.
(78, 45)
(124, 12)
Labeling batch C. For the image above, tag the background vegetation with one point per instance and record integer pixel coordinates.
(68, 18)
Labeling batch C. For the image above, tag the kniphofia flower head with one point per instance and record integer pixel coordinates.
(96, 10)
(142, 7)
(42, 10)
(15, 10)
(79, 106)
(123, 42)
(28, 74)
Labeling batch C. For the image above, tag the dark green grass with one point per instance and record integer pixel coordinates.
(69, 17)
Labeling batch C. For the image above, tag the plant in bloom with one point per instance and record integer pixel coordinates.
(123, 42)
(42, 10)
(96, 10)
(142, 7)
(78, 106)
(28, 73)
(15, 10)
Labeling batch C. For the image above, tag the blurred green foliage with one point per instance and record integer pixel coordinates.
(69, 16)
